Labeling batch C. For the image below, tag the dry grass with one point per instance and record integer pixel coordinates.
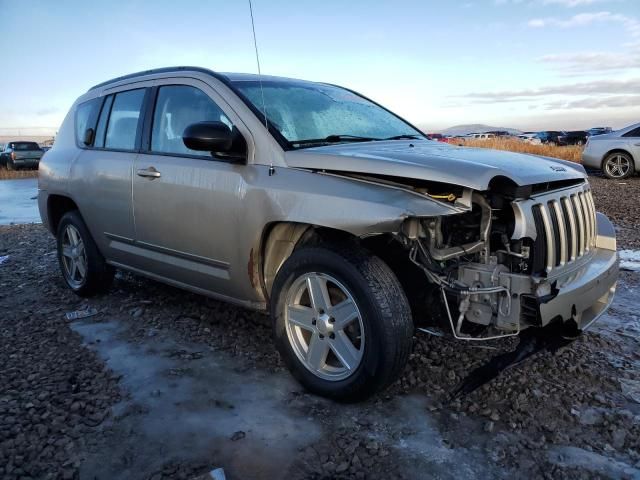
(11, 174)
(572, 153)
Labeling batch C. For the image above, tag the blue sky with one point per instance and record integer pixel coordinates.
(528, 64)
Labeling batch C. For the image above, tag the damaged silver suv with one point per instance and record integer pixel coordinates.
(313, 203)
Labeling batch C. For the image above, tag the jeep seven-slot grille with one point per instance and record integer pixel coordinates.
(566, 229)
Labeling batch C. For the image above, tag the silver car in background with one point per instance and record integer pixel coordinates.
(617, 153)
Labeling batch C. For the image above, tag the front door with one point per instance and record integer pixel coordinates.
(186, 202)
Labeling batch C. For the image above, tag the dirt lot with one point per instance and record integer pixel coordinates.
(166, 384)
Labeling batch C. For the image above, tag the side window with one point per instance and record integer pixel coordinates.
(85, 117)
(177, 107)
(633, 133)
(123, 121)
(102, 122)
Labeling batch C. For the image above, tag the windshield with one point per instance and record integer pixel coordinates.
(25, 146)
(308, 114)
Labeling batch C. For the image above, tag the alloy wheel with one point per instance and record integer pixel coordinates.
(617, 166)
(74, 257)
(324, 326)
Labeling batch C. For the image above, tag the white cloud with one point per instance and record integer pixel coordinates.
(564, 3)
(571, 3)
(598, 87)
(631, 24)
(616, 101)
(591, 62)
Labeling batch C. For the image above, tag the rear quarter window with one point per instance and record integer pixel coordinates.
(86, 114)
(633, 133)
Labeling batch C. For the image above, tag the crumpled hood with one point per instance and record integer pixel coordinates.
(435, 161)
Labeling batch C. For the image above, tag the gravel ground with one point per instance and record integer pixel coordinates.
(116, 393)
(619, 200)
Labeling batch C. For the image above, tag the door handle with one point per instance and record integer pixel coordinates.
(150, 172)
(637, 144)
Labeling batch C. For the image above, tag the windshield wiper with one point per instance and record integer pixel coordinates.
(405, 136)
(334, 139)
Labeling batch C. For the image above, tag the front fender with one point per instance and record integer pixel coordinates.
(358, 207)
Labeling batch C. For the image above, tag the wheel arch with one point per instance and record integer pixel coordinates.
(281, 239)
(57, 206)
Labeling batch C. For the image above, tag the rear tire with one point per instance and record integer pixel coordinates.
(618, 166)
(83, 267)
(356, 357)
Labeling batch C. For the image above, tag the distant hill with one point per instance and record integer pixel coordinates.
(476, 128)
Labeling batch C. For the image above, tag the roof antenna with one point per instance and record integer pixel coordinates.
(264, 105)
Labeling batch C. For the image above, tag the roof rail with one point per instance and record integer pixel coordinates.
(159, 70)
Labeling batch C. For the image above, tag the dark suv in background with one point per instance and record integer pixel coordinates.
(21, 154)
(599, 131)
(577, 137)
(551, 137)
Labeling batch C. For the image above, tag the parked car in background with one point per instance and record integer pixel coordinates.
(550, 137)
(482, 136)
(530, 137)
(20, 154)
(576, 137)
(599, 131)
(353, 223)
(499, 133)
(435, 136)
(617, 153)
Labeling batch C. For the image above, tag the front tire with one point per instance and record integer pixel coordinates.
(341, 321)
(617, 166)
(83, 267)
(10, 165)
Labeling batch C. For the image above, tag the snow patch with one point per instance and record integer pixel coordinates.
(630, 260)
(568, 456)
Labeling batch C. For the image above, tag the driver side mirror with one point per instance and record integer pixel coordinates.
(214, 137)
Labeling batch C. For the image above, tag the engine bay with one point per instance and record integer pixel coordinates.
(486, 271)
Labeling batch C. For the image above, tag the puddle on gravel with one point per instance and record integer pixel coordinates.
(424, 446)
(17, 202)
(186, 404)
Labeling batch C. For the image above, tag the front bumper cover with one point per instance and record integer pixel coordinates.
(586, 293)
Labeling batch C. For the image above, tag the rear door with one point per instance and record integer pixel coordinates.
(102, 172)
(187, 204)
